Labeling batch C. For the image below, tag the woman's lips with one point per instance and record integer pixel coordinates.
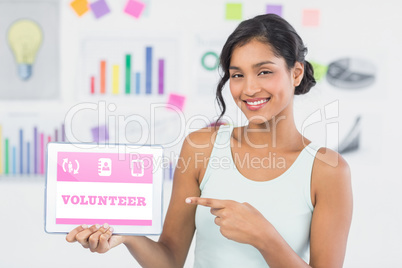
(256, 104)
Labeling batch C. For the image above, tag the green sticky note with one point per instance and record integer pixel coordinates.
(319, 70)
(234, 11)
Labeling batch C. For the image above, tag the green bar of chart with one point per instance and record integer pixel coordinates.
(128, 73)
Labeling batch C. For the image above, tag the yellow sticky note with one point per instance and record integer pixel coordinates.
(80, 6)
(115, 79)
(234, 11)
(311, 17)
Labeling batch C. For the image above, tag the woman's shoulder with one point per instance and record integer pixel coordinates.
(330, 171)
(329, 161)
(201, 140)
(197, 148)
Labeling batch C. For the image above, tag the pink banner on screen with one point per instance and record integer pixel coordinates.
(104, 167)
(102, 221)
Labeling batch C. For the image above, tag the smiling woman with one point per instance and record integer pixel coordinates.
(245, 211)
(282, 47)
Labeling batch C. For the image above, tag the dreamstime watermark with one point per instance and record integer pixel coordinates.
(150, 128)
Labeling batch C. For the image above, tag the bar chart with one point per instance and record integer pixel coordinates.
(128, 67)
(23, 151)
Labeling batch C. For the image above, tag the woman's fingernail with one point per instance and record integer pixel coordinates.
(106, 226)
(188, 200)
(84, 226)
(111, 229)
(97, 226)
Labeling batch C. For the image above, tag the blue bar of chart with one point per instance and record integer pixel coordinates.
(148, 70)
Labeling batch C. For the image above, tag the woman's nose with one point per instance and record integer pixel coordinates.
(251, 87)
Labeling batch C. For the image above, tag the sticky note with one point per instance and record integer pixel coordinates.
(80, 6)
(176, 100)
(311, 17)
(274, 9)
(319, 70)
(134, 8)
(100, 133)
(234, 11)
(100, 8)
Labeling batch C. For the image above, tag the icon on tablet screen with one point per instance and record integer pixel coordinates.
(137, 168)
(104, 166)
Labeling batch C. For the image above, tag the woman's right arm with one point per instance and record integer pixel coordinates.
(172, 247)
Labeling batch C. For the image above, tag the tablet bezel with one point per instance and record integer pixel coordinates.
(51, 183)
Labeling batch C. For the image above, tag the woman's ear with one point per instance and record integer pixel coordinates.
(298, 73)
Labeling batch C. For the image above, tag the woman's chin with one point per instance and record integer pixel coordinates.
(258, 121)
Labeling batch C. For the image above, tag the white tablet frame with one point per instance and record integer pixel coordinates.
(51, 183)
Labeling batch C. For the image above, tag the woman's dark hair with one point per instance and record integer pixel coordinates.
(280, 35)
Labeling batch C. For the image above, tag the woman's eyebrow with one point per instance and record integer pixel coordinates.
(262, 63)
(234, 68)
(254, 65)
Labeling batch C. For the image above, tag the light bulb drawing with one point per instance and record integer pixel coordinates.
(25, 38)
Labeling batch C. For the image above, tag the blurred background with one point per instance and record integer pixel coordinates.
(145, 71)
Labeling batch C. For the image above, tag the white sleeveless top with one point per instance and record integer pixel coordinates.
(284, 201)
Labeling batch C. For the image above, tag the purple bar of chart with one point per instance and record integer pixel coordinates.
(161, 74)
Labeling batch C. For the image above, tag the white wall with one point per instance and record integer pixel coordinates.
(368, 29)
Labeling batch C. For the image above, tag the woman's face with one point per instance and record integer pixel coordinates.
(260, 82)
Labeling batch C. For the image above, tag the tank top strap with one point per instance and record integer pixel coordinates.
(305, 168)
(222, 139)
(220, 149)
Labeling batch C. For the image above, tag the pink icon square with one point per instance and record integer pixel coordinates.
(134, 8)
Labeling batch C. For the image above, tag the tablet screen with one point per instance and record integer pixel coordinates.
(121, 186)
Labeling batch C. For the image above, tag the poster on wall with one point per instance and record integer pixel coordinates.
(23, 140)
(120, 67)
(206, 65)
(29, 50)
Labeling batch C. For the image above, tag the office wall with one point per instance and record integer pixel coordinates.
(359, 36)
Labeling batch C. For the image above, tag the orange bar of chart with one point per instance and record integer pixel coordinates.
(103, 77)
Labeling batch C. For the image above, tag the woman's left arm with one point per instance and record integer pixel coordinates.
(333, 206)
(331, 195)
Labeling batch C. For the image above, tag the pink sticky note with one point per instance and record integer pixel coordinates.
(177, 101)
(134, 8)
(311, 17)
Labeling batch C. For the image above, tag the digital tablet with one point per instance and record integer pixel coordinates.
(118, 184)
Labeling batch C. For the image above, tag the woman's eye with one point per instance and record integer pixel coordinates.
(237, 75)
(264, 72)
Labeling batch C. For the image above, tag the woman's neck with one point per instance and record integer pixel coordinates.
(278, 133)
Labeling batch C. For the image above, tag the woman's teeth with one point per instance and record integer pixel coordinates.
(257, 102)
